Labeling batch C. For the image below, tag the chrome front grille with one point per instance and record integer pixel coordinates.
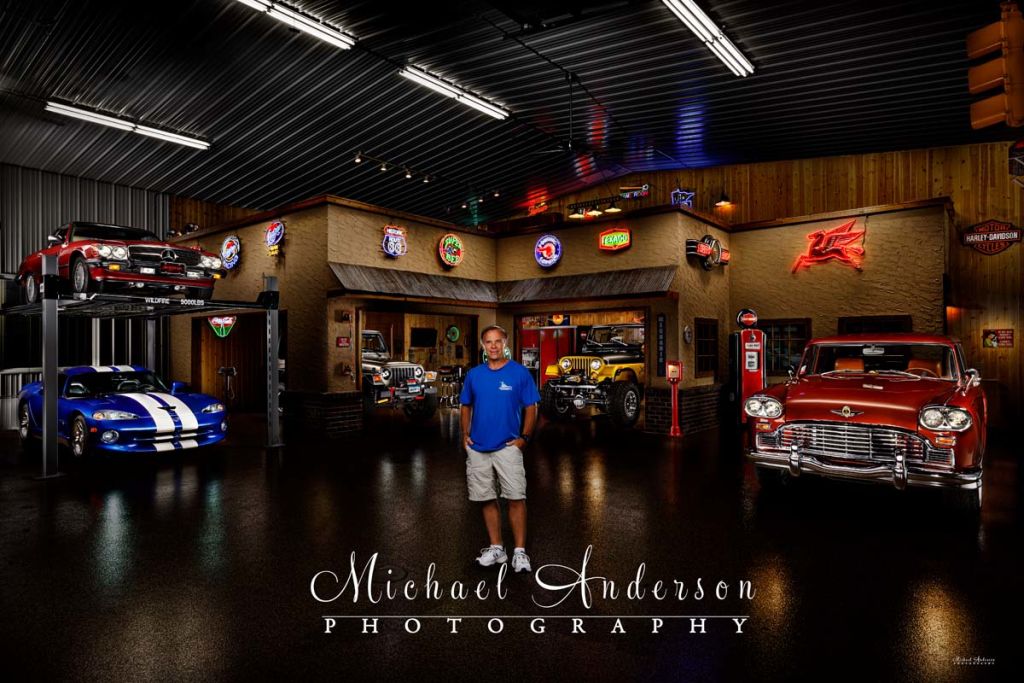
(851, 442)
(187, 257)
(400, 374)
(579, 364)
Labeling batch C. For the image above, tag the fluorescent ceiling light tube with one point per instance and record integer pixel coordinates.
(85, 115)
(697, 21)
(450, 90)
(121, 124)
(171, 137)
(313, 27)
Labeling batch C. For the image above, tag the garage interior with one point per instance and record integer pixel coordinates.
(589, 120)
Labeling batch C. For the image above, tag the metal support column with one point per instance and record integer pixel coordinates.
(51, 287)
(95, 323)
(151, 344)
(270, 298)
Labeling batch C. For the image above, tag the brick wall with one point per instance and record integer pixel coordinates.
(317, 415)
(699, 409)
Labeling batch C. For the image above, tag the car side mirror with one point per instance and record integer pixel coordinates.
(76, 389)
(972, 378)
(791, 371)
(178, 387)
(53, 239)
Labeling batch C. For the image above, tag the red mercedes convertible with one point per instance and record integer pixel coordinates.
(93, 257)
(901, 409)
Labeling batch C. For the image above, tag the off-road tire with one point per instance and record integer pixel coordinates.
(552, 407)
(369, 400)
(624, 404)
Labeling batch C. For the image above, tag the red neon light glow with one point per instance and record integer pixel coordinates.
(838, 244)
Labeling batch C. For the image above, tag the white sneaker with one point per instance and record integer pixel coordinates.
(521, 563)
(491, 556)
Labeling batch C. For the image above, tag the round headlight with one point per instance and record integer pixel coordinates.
(109, 436)
(595, 364)
(216, 263)
(772, 408)
(385, 373)
(418, 371)
(754, 407)
(103, 250)
(958, 419)
(119, 252)
(932, 418)
(204, 261)
(565, 364)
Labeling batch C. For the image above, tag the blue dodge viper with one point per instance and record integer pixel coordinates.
(122, 409)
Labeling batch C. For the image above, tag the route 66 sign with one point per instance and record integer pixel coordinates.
(395, 243)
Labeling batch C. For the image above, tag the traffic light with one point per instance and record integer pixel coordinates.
(1005, 36)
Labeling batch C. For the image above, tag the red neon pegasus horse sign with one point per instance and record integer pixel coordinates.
(838, 244)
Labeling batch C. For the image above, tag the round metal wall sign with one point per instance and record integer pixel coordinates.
(451, 250)
(746, 318)
(231, 251)
(547, 251)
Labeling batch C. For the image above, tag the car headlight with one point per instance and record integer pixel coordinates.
(385, 374)
(103, 250)
(114, 415)
(216, 263)
(418, 371)
(214, 408)
(565, 364)
(595, 364)
(763, 406)
(120, 253)
(205, 261)
(945, 418)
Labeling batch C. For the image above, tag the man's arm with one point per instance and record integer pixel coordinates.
(466, 418)
(529, 422)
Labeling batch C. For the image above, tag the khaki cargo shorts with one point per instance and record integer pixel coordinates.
(486, 472)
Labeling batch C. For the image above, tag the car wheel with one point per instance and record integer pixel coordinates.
(768, 477)
(25, 428)
(204, 293)
(79, 438)
(31, 289)
(967, 501)
(553, 406)
(624, 404)
(81, 282)
(369, 399)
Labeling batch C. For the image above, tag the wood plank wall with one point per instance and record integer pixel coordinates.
(204, 214)
(986, 290)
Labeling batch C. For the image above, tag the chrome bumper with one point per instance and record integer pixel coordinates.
(900, 473)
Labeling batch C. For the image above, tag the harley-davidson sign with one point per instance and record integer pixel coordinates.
(990, 237)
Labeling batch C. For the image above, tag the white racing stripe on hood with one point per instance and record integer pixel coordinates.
(124, 368)
(163, 420)
(101, 368)
(188, 418)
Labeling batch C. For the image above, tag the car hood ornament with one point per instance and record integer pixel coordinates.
(847, 412)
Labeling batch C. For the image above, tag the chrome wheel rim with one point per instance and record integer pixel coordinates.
(23, 423)
(78, 438)
(31, 289)
(80, 277)
(631, 403)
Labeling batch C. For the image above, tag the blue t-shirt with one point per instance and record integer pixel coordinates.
(498, 398)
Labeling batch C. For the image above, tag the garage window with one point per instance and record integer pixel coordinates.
(706, 340)
(784, 343)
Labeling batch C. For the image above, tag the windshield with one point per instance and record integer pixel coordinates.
(617, 336)
(935, 361)
(96, 383)
(112, 232)
(375, 343)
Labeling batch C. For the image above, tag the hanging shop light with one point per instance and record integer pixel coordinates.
(576, 214)
(697, 21)
(723, 200)
(302, 22)
(453, 91)
(359, 157)
(121, 124)
(612, 208)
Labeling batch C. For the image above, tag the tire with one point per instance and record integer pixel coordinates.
(30, 288)
(78, 273)
(78, 438)
(624, 404)
(421, 410)
(769, 478)
(369, 399)
(552, 406)
(967, 502)
(28, 442)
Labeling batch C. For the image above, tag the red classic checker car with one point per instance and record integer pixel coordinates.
(902, 409)
(94, 257)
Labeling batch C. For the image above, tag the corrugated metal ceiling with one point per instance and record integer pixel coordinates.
(286, 113)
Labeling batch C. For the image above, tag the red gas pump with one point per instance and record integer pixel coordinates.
(746, 361)
(674, 373)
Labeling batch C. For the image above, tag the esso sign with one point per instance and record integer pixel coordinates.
(746, 318)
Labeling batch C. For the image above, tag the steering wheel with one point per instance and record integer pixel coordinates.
(922, 372)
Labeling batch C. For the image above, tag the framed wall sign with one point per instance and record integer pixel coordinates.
(997, 339)
(990, 237)
(395, 243)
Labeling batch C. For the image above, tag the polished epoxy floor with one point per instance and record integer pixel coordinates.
(200, 566)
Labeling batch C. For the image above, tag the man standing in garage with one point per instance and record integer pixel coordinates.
(499, 413)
